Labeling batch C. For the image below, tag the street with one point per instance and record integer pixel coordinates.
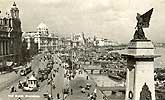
(58, 80)
(44, 87)
(77, 84)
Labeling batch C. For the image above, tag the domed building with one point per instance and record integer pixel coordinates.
(42, 29)
(45, 41)
(41, 37)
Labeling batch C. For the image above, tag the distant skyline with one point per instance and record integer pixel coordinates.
(111, 19)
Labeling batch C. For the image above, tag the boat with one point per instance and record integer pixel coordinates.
(122, 74)
(114, 75)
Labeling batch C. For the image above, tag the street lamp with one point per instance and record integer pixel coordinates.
(51, 88)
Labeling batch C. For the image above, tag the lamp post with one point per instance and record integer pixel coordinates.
(51, 91)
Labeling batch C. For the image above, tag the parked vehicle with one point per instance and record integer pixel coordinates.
(43, 74)
(25, 70)
(114, 75)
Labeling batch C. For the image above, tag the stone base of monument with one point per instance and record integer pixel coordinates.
(140, 69)
(140, 47)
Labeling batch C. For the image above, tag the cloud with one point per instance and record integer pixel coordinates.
(50, 1)
(109, 18)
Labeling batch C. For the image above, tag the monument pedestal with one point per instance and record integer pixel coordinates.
(140, 70)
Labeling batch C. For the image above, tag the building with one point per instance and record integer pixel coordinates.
(104, 42)
(78, 40)
(45, 41)
(30, 45)
(10, 37)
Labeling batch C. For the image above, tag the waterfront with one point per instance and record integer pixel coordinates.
(160, 62)
(105, 81)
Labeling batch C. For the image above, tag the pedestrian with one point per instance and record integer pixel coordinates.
(20, 84)
(71, 91)
(73, 76)
(69, 77)
(58, 96)
(16, 71)
(19, 98)
(87, 77)
(88, 94)
(33, 73)
(12, 89)
(95, 91)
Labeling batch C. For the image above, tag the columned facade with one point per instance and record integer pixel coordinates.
(10, 38)
(45, 41)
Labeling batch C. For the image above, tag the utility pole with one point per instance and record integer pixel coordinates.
(51, 91)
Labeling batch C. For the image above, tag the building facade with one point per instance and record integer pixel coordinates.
(78, 40)
(10, 37)
(104, 42)
(45, 41)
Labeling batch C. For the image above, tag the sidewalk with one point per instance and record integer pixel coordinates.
(7, 79)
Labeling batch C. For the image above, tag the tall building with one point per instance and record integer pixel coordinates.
(45, 41)
(103, 42)
(78, 39)
(10, 37)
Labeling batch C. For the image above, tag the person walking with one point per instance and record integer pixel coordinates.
(71, 91)
(87, 77)
(19, 98)
(58, 96)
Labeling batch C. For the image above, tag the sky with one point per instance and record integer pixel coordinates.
(111, 19)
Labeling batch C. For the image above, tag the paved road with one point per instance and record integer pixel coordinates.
(58, 80)
(36, 63)
(80, 80)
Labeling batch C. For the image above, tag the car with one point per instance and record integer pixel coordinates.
(46, 95)
(25, 71)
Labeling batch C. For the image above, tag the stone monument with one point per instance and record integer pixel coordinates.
(140, 63)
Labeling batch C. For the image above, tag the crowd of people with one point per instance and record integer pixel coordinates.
(69, 75)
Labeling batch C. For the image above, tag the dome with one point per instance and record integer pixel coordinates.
(42, 26)
(42, 29)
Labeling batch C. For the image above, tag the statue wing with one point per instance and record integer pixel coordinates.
(146, 18)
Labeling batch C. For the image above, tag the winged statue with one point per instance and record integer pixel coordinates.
(143, 22)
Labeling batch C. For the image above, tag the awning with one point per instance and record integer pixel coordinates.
(32, 78)
(9, 63)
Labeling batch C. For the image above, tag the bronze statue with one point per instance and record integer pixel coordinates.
(143, 22)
